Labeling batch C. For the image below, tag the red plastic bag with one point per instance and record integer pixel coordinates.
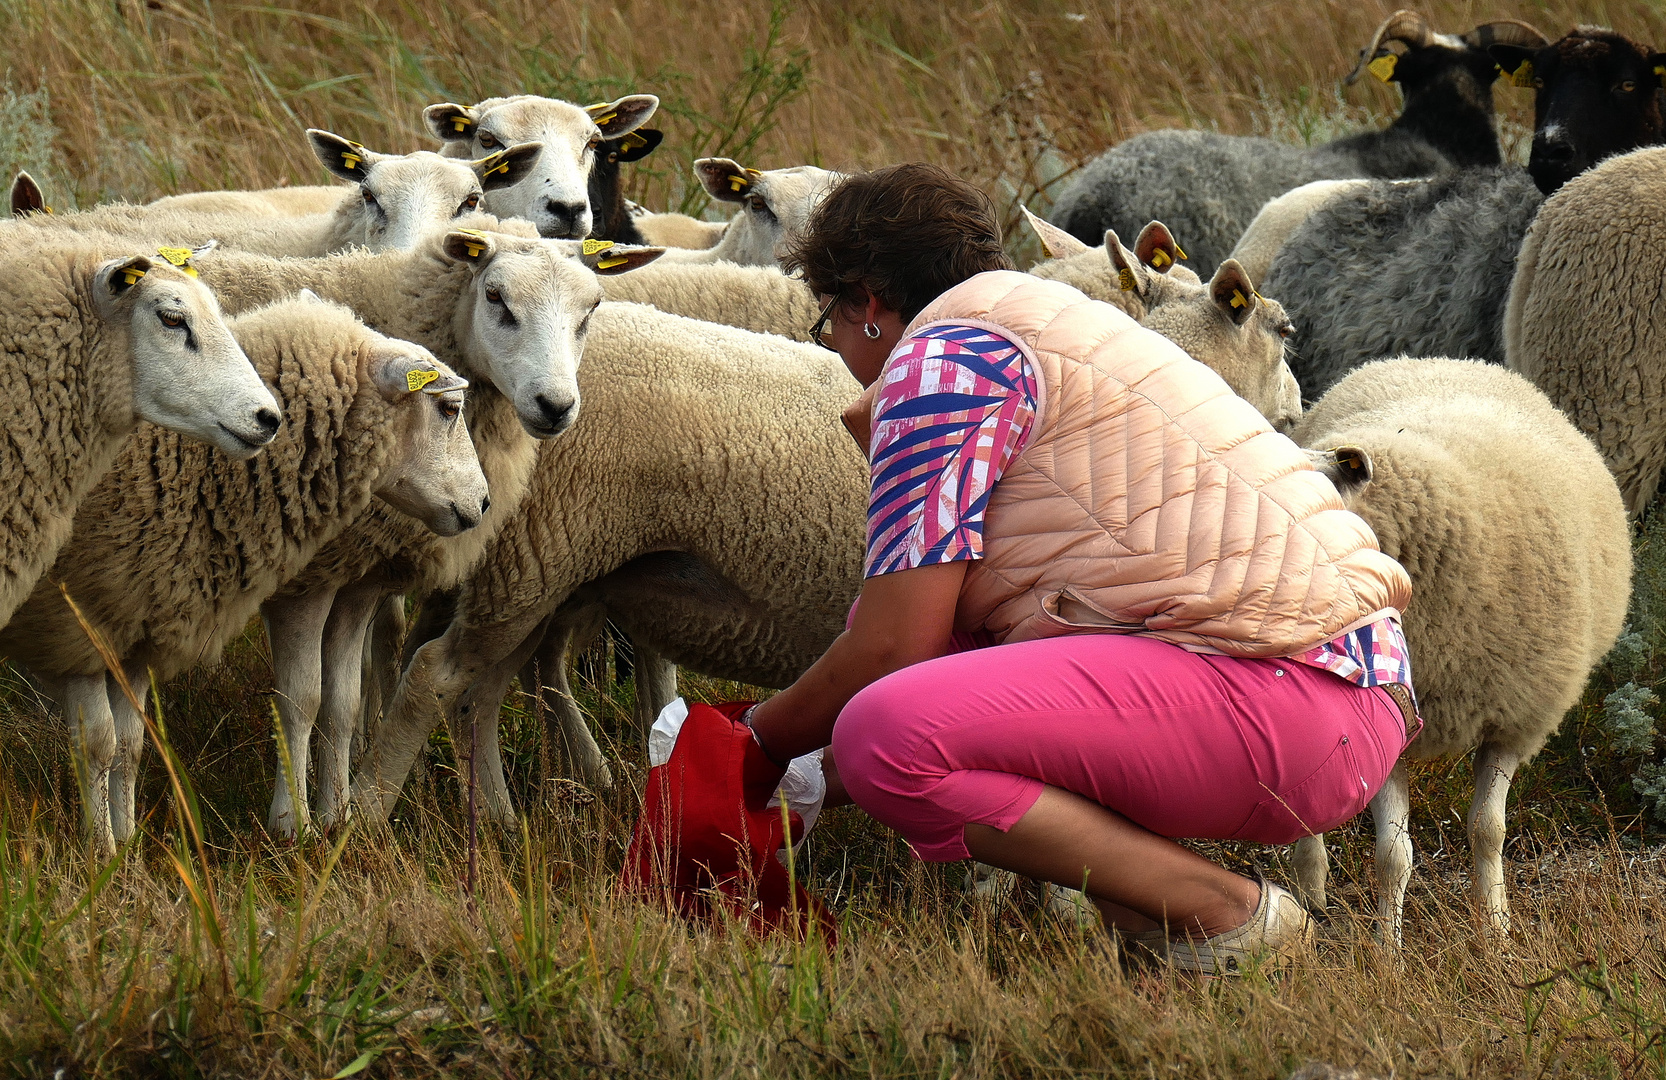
(706, 837)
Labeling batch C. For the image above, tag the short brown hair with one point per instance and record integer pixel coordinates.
(906, 233)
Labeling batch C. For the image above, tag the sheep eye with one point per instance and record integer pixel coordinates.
(756, 202)
(488, 140)
(471, 203)
(1286, 329)
(369, 199)
(173, 320)
(451, 409)
(613, 157)
(1538, 84)
(1627, 87)
(493, 296)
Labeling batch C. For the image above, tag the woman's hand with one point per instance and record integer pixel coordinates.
(903, 618)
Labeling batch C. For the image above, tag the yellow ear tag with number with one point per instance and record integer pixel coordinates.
(132, 274)
(592, 247)
(1383, 66)
(417, 378)
(633, 141)
(1238, 298)
(1523, 75)
(1160, 258)
(1125, 278)
(617, 260)
(179, 257)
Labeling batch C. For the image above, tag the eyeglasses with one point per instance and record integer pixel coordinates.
(820, 326)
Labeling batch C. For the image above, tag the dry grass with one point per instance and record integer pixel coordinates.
(276, 960)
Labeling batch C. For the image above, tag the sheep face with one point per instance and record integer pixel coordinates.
(403, 197)
(774, 205)
(189, 374)
(554, 196)
(436, 477)
(1597, 94)
(529, 308)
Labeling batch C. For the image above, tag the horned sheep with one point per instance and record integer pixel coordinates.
(174, 550)
(1209, 186)
(1583, 321)
(1423, 268)
(1478, 485)
(94, 339)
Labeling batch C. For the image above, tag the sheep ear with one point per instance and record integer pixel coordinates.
(309, 297)
(507, 167)
(615, 118)
(606, 258)
(1131, 274)
(1349, 468)
(204, 248)
(116, 279)
(449, 122)
(1515, 62)
(470, 246)
(27, 198)
(724, 179)
(345, 159)
(1657, 64)
(638, 144)
(1057, 243)
(1232, 292)
(1156, 248)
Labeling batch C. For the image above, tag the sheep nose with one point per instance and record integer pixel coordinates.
(556, 415)
(567, 217)
(1553, 151)
(485, 504)
(464, 521)
(267, 420)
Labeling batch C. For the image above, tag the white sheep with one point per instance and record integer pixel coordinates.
(94, 339)
(297, 201)
(1583, 320)
(678, 230)
(1278, 218)
(1516, 541)
(775, 204)
(718, 445)
(175, 549)
(555, 196)
(757, 298)
(510, 314)
(397, 200)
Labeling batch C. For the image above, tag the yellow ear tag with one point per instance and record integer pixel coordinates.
(1383, 67)
(1178, 250)
(1160, 258)
(737, 182)
(179, 257)
(592, 247)
(461, 123)
(1238, 298)
(350, 159)
(132, 275)
(417, 378)
(477, 244)
(499, 165)
(1126, 279)
(634, 141)
(617, 260)
(1523, 75)
(600, 120)
(1659, 73)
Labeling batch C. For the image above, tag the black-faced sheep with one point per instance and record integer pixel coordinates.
(612, 216)
(1209, 186)
(175, 549)
(93, 339)
(1519, 553)
(555, 197)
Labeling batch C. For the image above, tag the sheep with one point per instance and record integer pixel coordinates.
(177, 546)
(510, 314)
(1423, 268)
(396, 201)
(555, 196)
(757, 298)
(755, 489)
(298, 201)
(774, 205)
(613, 216)
(1519, 552)
(1274, 222)
(94, 339)
(1583, 322)
(1210, 185)
(679, 231)
(27, 197)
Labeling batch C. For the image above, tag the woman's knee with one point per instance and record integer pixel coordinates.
(867, 739)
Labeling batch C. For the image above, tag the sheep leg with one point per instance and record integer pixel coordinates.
(1312, 865)
(92, 743)
(342, 659)
(483, 700)
(295, 634)
(579, 757)
(656, 686)
(130, 748)
(430, 692)
(382, 653)
(1494, 768)
(1391, 813)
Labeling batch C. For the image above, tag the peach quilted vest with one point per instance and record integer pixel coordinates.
(1150, 499)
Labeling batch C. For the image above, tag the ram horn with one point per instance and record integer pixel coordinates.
(1506, 32)
(1404, 25)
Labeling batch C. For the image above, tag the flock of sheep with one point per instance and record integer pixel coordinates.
(243, 401)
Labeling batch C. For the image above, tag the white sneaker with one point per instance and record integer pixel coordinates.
(1279, 929)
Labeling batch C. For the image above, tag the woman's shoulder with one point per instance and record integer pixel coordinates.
(955, 356)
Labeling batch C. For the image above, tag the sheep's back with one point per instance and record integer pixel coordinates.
(1512, 532)
(756, 298)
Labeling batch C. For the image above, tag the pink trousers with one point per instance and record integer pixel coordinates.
(1186, 745)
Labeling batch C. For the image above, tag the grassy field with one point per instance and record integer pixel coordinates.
(210, 950)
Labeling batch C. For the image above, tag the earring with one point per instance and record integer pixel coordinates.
(871, 330)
